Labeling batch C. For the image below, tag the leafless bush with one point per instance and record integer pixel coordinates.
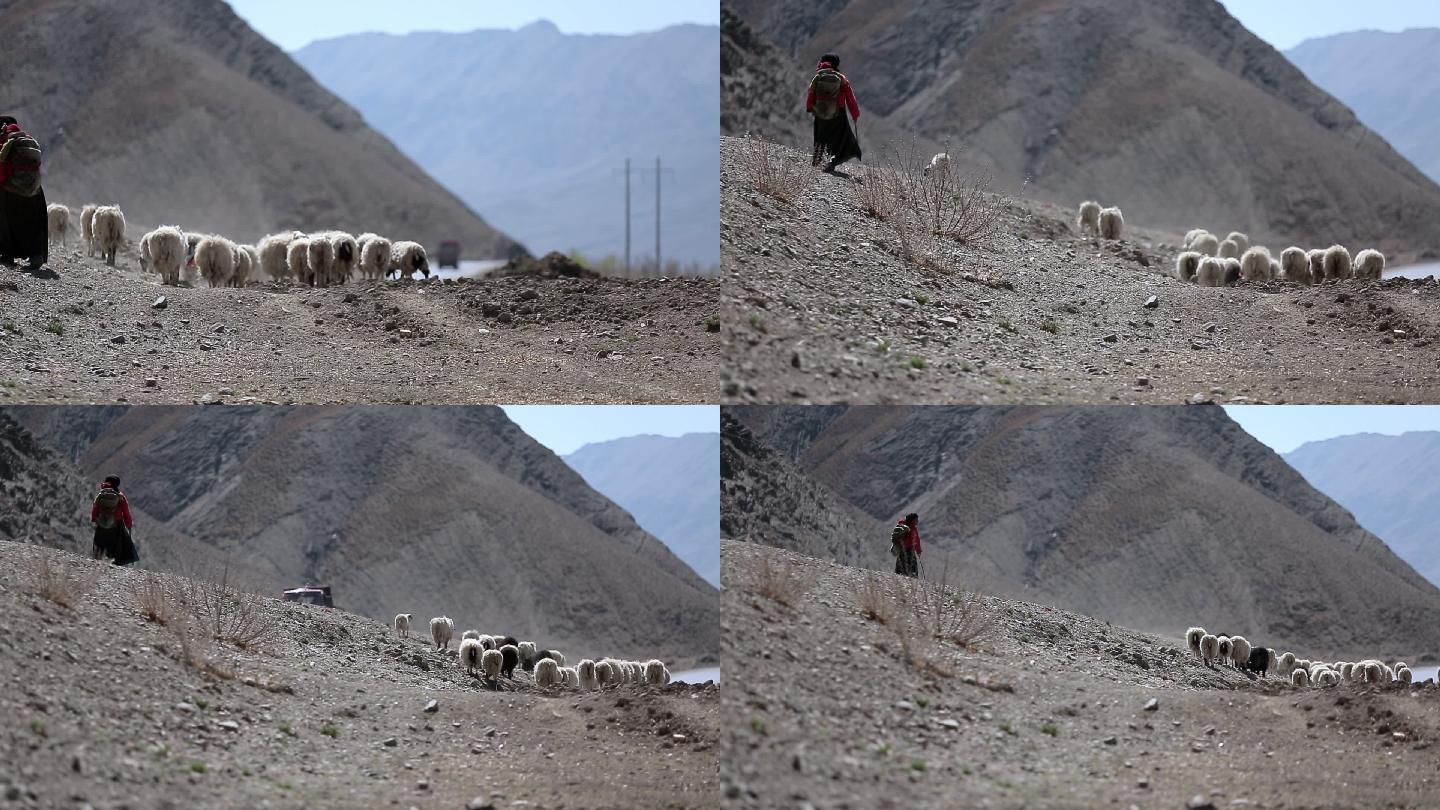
(929, 211)
(875, 599)
(59, 583)
(878, 194)
(780, 580)
(153, 598)
(949, 613)
(224, 613)
(772, 171)
(196, 651)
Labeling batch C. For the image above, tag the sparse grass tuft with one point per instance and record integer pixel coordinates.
(1051, 326)
(781, 581)
(197, 767)
(922, 702)
(286, 730)
(55, 327)
(922, 299)
(1051, 729)
(329, 730)
(874, 598)
(773, 172)
(202, 703)
(917, 362)
(38, 727)
(153, 598)
(757, 724)
(757, 323)
(966, 367)
(10, 326)
(58, 583)
(1006, 325)
(917, 765)
(1005, 381)
(1005, 727)
(224, 613)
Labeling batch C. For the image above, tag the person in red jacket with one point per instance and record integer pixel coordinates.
(905, 540)
(24, 221)
(110, 512)
(831, 100)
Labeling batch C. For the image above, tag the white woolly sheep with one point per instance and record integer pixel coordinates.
(1210, 272)
(1373, 672)
(468, 634)
(571, 677)
(547, 672)
(1186, 265)
(109, 231)
(407, 259)
(1317, 265)
(1087, 219)
(272, 254)
(346, 257)
(162, 251)
(1112, 223)
(606, 673)
(1337, 263)
(491, 661)
(1224, 647)
(1327, 677)
(374, 256)
(215, 259)
(1404, 675)
(441, 629)
(1295, 266)
(1345, 669)
(58, 218)
(655, 672)
(1274, 269)
(1287, 664)
(527, 654)
(940, 164)
(1209, 648)
(1241, 240)
(1191, 235)
(1232, 272)
(1300, 677)
(402, 624)
(1370, 264)
(246, 260)
(585, 670)
(87, 228)
(1229, 249)
(321, 259)
(1255, 264)
(470, 653)
(1274, 664)
(1192, 639)
(1205, 244)
(1239, 651)
(297, 259)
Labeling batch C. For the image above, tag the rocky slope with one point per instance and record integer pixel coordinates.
(820, 304)
(180, 113)
(435, 511)
(669, 484)
(1117, 513)
(1171, 110)
(1051, 710)
(1387, 482)
(325, 708)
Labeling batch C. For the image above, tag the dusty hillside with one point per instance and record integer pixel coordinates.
(1116, 512)
(435, 511)
(33, 479)
(96, 336)
(1048, 712)
(180, 113)
(327, 709)
(819, 304)
(1171, 110)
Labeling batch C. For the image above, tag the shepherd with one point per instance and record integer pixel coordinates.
(110, 513)
(829, 99)
(24, 219)
(905, 545)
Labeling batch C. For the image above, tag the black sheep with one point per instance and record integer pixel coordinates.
(511, 658)
(1259, 662)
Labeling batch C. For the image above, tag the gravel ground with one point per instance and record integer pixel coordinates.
(817, 305)
(329, 710)
(96, 336)
(1054, 710)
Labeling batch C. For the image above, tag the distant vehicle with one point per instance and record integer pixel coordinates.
(310, 595)
(450, 254)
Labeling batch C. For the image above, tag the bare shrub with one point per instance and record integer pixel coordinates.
(58, 583)
(874, 599)
(781, 581)
(929, 211)
(949, 613)
(196, 651)
(877, 194)
(772, 171)
(153, 598)
(222, 612)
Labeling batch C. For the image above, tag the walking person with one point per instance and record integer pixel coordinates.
(24, 219)
(831, 100)
(110, 512)
(905, 545)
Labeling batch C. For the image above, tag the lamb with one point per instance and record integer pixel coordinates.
(1259, 661)
(402, 624)
(1300, 677)
(1274, 274)
(321, 258)
(87, 228)
(347, 256)
(374, 256)
(491, 662)
(655, 672)
(1232, 272)
(1192, 639)
(1337, 262)
(1087, 220)
(1370, 265)
(1229, 249)
(1205, 244)
(441, 629)
(585, 671)
(940, 165)
(470, 653)
(109, 231)
(547, 672)
(1240, 651)
(163, 251)
(570, 677)
(407, 259)
(1186, 265)
(58, 218)
(469, 634)
(214, 258)
(297, 259)
(1112, 223)
(1255, 264)
(1241, 240)
(1295, 266)
(1209, 648)
(1210, 272)
(509, 657)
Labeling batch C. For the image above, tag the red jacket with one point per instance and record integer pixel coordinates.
(122, 512)
(847, 95)
(912, 540)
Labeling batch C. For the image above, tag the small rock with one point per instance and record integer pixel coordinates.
(1111, 338)
(229, 725)
(1142, 381)
(906, 303)
(795, 360)
(1198, 399)
(1142, 783)
(905, 706)
(390, 742)
(1112, 740)
(185, 707)
(433, 706)
(160, 303)
(351, 298)
(480, 803)
(528, 295)
(1199, 802)
(118, 339)
(1152, 302)
(948, 321)
(1152, 705)
(423, 784)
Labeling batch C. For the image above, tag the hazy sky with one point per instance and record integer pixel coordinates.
(1286, 427)
(566, 428)
(1287, 23)
(292, 24)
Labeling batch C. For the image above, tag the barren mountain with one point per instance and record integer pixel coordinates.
(1169, 109)
(435, 511)
(1158, 518)
(180, 113)
(1388, 482)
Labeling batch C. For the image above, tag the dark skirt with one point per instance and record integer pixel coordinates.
(24, 228)
(117, 544)
(836, 137)
(907, 563)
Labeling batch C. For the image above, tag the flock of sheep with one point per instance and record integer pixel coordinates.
(494, 656)
(1237, 652)
(316, 259)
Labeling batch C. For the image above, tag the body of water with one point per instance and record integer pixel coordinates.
(1414, 271)
(697, 675)
(1423, 673)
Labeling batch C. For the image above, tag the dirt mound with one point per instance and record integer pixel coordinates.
(1050, 710)
(324, 708)
(552, 265)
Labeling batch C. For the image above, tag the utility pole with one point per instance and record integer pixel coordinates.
(627, 217)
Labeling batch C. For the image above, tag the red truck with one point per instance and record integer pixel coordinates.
(310, 595)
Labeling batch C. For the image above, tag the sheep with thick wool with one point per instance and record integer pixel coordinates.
(87, 229)
(1338, 264)
(441, 629)
(469, 634)
(57, 218)
(570, 676)
(1369, 265)
(1187, 264)
(407, 259)
(246, 262)
(1239, 651)
(109, 231)
(1255, 264)
(215, 259)
(527, 655)
(656, 674)
(297, 259)
(163, 252)
(939, 165)
(585, 671)
(1112, 223)
(1300, 677)
(320, 258)
(1230, 249)
(1192, 639)
(346, 257)
(491, 662)
(1295, 266)
(547, 672)
(1209, 648)
(1087, 219)
(470, 653)
(272, 251)
(1210, 272)
(402, 624)
(374, 256)
(509, 657)
(1241, 241)
(1206, 244)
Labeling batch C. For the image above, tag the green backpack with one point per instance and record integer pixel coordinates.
(106, 503)
(897, 538)
(827, 85)
(22, 155)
